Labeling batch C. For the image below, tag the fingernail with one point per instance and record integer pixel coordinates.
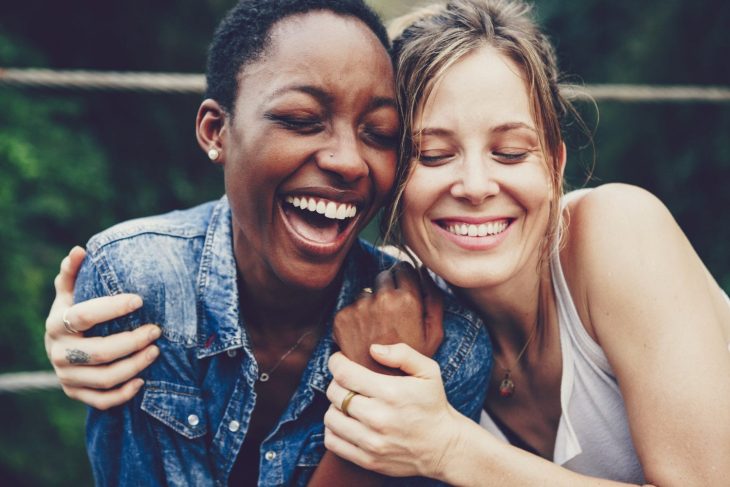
(155, 332)
(138, 383)
(135, 302)
(153, 353)
(380, 349)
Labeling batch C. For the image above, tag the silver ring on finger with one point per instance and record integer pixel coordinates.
(67, 324)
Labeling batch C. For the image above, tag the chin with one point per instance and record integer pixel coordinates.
(311, 276)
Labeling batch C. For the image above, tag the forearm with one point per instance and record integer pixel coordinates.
(476, 458)
(333, 470)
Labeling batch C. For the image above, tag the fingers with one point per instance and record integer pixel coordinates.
(104, 400)
(384, 281)
(433, 310)
(358, 404)
(355, 377)
(70, 266)
(85, 315)
(403, 357)
(401, 276)
(108, 375)
(101, 350)
(346, 428)
(406, 278)
(344, 449)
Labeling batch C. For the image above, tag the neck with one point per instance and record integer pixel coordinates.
(282, 310)
(511, 310)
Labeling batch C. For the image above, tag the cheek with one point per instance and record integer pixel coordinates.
(420, 195)
(424, 188)
(382, 169)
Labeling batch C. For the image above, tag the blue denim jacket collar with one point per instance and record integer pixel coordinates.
(219, 329)
(220, 326)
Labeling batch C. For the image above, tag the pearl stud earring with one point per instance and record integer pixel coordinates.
(213, 154)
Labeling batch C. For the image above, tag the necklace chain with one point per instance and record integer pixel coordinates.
(507, 385)
(266, 375)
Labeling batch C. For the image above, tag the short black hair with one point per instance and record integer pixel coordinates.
(243, 35)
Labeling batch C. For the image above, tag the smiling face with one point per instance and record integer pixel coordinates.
(477, 204)
(309, 154)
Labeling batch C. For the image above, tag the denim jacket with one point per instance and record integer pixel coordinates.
(188, 422)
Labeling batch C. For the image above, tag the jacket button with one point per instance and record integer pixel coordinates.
(233, 426)
(270, 455)
(231, 353)
(193, 420)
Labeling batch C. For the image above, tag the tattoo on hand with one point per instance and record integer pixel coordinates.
(75, 356)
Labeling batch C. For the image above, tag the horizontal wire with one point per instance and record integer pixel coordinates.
(195, 84)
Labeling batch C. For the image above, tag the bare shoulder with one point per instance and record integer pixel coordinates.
(623, 246)
(617, 223)
(610, 207)
(619, 239)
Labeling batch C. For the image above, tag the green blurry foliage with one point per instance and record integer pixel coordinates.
(54, 184)
(75, 162)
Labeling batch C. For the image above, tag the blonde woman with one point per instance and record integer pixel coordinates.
(610, 337)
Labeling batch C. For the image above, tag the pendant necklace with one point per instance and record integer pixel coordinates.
(265, 376)
(507, 386)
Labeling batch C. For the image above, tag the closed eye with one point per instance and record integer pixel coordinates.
(302, 125)
(507, 156)
(434, 158)
(381, 138)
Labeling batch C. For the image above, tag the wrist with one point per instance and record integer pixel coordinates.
(453, 448)
(461, 455)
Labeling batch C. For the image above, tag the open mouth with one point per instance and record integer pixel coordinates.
(317, 219)
(487, 229)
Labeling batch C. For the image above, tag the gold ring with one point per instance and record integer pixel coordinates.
(367, 290)
(67, 324)
(346, 402)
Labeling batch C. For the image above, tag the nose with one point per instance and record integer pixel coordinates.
(474, 180)
(344, 157)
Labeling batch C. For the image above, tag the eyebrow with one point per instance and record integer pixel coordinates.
(505, 127)
(327, 99)
(320, 95)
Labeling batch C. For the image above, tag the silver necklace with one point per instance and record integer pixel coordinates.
(265, 376)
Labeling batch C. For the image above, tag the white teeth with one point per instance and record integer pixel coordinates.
(329, 209)
(481, 230)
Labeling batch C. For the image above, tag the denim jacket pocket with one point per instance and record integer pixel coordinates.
(312, 452)
(178, 406)
(309, 457)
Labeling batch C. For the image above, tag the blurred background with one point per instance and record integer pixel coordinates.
(73, 162)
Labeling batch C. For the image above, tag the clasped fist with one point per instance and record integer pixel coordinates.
(403, 307)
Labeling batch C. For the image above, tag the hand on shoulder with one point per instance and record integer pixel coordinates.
(99, 372)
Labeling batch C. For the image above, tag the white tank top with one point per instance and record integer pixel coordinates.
(593, 435)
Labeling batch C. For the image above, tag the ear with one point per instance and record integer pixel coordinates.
(211, 127)
(562, 157)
